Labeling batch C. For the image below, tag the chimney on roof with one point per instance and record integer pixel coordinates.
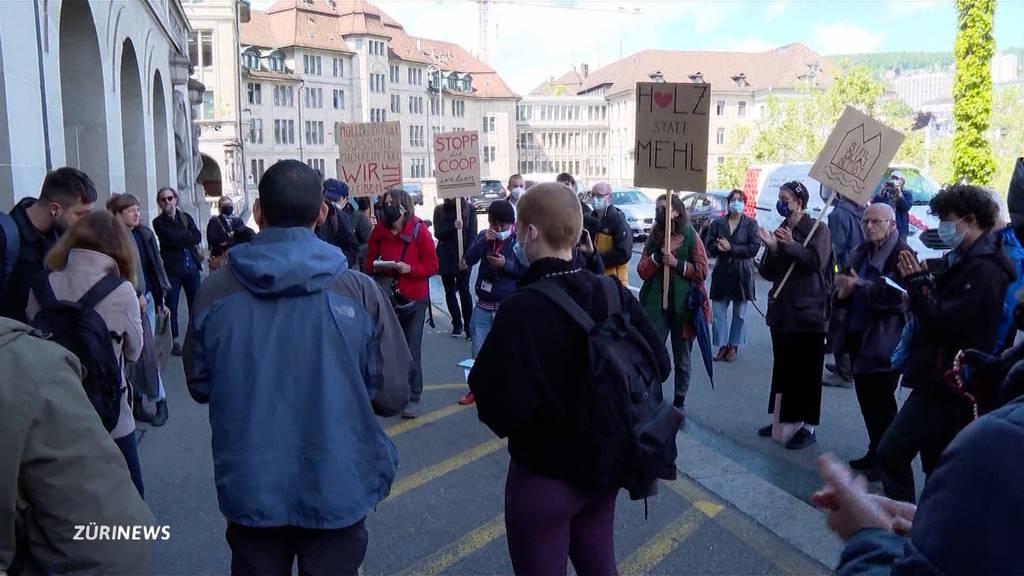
(585, 70)
(696, 77)
(657, 77)
(741, 80)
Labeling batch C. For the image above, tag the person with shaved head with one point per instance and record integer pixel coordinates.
(612, 237)
(868, 287)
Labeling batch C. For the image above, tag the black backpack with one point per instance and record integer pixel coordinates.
(79, 328)
(627, 430)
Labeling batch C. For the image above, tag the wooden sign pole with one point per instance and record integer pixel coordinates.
(668, 247)
(807, 241)
(458, 217)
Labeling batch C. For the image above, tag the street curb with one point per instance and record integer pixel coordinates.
(788, 517)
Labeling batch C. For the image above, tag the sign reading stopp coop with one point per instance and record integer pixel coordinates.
(457, 161)
(371, 157)
(672, 136)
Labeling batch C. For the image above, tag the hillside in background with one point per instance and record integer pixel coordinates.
(881, 62)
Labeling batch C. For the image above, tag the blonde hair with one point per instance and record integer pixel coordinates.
(99, 231)
(555, 211)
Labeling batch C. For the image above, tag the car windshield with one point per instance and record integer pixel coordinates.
(703, 203)
(919, 185)
(490, 186)
(629, 198)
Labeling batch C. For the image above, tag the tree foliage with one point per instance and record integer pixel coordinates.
(972, 91)
(732, 171)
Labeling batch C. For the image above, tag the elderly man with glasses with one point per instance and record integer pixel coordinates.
(179, 248)
(869, 288)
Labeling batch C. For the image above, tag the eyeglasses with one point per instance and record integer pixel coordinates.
(874, 221)
(164, 199)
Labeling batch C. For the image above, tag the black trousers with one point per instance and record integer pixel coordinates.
(927, 423)
(458, 285)
(272, 551)
(876, 394)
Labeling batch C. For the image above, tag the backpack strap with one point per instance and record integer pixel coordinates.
(12, 244)
(610, 287)
(561, 298)
(42, 290)
(100, 290)
(405, 243)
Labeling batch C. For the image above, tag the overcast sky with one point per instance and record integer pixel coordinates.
(531, 40)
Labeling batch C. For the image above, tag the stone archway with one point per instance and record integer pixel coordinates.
(133, 134)
(210, 178)
(161, 133)
(82, 99)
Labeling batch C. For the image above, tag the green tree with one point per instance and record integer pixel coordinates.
(1006, 133)
(732, 171)
(972, 91)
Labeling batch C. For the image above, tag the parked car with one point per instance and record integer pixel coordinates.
(704, 207)
(763, 183)
(638, 208)
(490, 191)
(415, 191)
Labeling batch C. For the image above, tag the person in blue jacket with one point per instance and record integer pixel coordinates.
(498, 274)
(295, 355)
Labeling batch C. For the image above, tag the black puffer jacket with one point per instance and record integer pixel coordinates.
(802, 305)
(957, 307)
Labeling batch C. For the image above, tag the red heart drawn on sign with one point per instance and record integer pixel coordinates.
(663, 99)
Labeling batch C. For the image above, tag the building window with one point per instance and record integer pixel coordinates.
(256, 132)
(256, 170)
(377, 48)
(311, 64)
(417, 168)
(721, 160)
(435, 106)
(741, 109)
(200, 48)
(254, 92)
(490, 154)
(339, 68)
(208, 105)
(719, 107)
(339, 99)
(276, 61)
(458, 108)
(359, 44)
(415, 104)
(316, 164)
(314, 97)
(206, 39)
(396, 103)
(378, 115)
(720, 136)
(395, 75)
(314, 132)
(377, 83)
(415, 136)
(415, 76)
(488, 124)
(284, 96)
(251, 60)
(284, 132)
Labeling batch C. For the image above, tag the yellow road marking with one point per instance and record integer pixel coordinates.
(420, 478)
(786, 559)
(429, 417)
(451, 554)
(462, 386)
(664, 542)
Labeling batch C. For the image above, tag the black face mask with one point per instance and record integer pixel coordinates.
(391, 215)
(227, 210)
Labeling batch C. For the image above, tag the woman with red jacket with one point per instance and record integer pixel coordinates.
(400, 255)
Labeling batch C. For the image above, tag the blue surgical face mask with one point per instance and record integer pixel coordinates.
(599, 202)
(520, 253)
(949, 235)
(783, 208)
(736, 207)
(503, 235)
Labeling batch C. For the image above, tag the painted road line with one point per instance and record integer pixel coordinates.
(668, 539)
(428, 418)
(785, 558)
(456, 551)
(420, 478)
(459, 386)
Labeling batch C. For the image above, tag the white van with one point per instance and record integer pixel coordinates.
(763, 181)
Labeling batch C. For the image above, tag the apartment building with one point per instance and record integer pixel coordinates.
(596, 110)
(308, 65)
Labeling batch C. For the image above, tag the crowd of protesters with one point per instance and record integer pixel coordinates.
(324, 267)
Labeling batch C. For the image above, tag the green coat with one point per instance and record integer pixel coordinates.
(58, 467)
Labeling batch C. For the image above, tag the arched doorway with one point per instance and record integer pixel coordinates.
(133, 133)
(160, 134)
(210, 177)
(81, 91)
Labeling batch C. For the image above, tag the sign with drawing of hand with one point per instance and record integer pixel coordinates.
(672, 123)
(457, 163)
(856, 155)
(371, 157)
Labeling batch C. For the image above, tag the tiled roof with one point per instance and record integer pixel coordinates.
(271, 75)
(323, 25)
(568, 83)
(782, 67)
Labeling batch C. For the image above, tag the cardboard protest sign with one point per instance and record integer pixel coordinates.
(457, 161)
(371, 157)
(856, 154)
(672, 124)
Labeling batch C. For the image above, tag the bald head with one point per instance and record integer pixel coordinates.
(601, 189)
(879, 222)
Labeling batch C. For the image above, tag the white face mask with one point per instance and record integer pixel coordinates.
(503, 235)
(517, 193)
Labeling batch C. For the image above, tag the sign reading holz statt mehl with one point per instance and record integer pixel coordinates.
(856, 154)
(457, 162)
(672, 136)
(371, 157)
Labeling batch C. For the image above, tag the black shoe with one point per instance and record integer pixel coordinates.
(457, 332)
(802, 439)
(863, 464)
(139, 413)
(765, 432)
(176, 349)
(160, 418)
(842, 374)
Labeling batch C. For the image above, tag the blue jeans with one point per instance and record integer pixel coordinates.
(481, 322)
(724, 333)
(130, 449)
(191, 283)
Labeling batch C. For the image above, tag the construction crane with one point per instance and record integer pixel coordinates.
(484, 7)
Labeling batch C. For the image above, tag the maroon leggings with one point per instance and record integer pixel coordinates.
(548, 521)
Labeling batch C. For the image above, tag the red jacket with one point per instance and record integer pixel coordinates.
(420, 256)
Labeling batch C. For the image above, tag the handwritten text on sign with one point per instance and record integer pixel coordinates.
(457, 160)
(856, 155)
(672, 135)
(371, 157)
